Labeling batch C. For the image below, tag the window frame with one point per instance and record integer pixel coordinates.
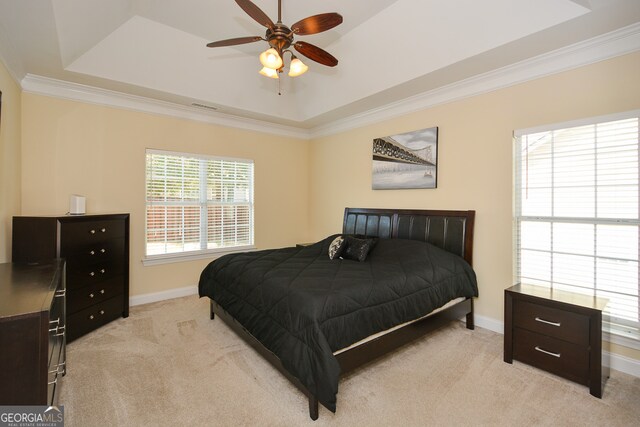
(203, 203)
(616, 333)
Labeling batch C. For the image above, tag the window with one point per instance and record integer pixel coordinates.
(197, 204)
(576, 212)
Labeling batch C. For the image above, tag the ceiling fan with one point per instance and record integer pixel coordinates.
(281, 38)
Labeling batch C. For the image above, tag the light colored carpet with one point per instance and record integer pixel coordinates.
(169, 364)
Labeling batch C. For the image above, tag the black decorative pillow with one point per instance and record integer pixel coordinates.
(336, 247)
(358, 249)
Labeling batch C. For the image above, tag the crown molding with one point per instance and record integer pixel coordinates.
(616, 43)
(77, 92)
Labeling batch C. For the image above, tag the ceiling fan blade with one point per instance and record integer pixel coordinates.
(231, 42)
(317, 23)
(256, 13)
(316, 54)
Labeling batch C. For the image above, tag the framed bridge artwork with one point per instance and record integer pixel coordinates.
(406, 160)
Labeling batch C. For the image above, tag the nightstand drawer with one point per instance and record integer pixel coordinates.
(556, 323)
(553, 355)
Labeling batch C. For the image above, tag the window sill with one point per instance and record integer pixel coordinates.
(193, 256)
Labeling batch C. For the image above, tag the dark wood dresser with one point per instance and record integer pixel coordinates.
(32, 332)
(96, 248)
(558, 331)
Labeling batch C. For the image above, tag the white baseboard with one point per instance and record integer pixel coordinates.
(613, 360)
(489, 323)
(164, 295)
(622, 363)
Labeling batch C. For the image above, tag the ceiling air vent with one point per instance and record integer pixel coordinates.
(206, 107)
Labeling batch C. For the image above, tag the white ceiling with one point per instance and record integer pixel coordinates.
(388, 50)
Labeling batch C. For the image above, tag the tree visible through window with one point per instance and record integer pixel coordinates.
(197, 203)
(576, 212)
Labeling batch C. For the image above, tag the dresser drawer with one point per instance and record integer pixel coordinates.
(79, 299)
(81, 275)
(78, 234)
(95, 252)
(57, 324)
(97, 315)
(553, 355)
(56, 368)
(561, 324)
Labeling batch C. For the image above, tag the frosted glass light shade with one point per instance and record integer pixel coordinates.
(270, 59)
(269, 72)
(297, 68)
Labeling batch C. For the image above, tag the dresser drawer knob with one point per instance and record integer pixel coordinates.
(92, 252)
(102, 291)
(91, 317)
(91, 295)
(93, 231)
(101, 311)
(103, 270)
(104, 230)
(547, 352)
(547, 322)
(92, 274)
(103, 251)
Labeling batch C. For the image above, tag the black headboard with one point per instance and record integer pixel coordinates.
(449, 230)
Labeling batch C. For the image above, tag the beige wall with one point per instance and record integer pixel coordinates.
(10, 184)
(474, 159)
(76, 148)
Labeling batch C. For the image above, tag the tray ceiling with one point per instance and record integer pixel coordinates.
(388, 50)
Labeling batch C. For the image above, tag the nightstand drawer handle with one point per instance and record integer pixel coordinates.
(547, 322)
(547, 352)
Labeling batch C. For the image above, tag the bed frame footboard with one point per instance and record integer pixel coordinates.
(216, 309)
(362, 354)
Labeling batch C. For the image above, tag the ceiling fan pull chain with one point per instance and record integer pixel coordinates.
(279, 91)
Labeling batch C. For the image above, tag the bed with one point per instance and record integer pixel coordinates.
(316, 319)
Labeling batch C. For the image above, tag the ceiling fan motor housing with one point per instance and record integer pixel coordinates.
(280, 38)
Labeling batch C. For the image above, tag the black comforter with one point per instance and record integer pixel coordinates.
(303, 306)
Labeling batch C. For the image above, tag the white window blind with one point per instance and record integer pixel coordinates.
(577, 213)
(197, 203)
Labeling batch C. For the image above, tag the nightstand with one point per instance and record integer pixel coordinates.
(557, 331)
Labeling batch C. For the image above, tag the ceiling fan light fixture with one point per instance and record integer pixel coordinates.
(271, 59)
(269, 72)
(297, 67)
